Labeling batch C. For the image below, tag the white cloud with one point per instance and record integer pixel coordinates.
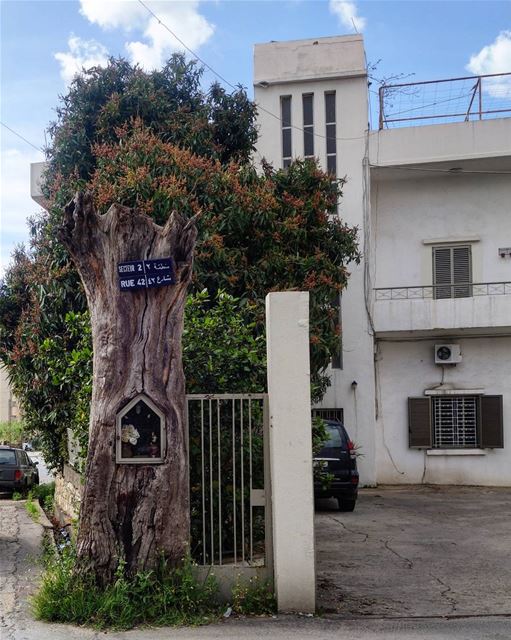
(347, 14)
(16, 205)
(112, 14)
(494, 58)
(81, 54)
(151, 51)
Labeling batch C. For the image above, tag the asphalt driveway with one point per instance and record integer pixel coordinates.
(416, 551)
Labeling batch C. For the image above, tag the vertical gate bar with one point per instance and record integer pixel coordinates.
(234, 474)
(242, 487)
(250, 476)
(212, 559)
(219, 484)
(187, 440)
(203, 485)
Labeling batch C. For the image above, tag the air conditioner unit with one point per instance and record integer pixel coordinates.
(447, 354)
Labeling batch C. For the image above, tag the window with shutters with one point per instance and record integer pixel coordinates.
(452, 271)
(285, 117)
(456, 422)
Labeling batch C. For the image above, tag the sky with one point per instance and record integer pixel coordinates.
(43, 43)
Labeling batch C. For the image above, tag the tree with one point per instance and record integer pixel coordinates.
(45, 334)
(149, 145)
(137, 513)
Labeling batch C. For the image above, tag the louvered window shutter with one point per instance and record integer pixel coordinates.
(452, 271)
(492, 432)
(419, 422)
(442, 271)
(462, 272)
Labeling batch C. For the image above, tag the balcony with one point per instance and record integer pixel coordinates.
(427, 310)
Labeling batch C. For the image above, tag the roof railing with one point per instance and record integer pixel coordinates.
(451, 100)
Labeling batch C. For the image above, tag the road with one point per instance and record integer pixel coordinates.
(44, 475)
(20, 540)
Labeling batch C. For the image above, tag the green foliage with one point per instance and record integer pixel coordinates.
(221, 351)
(165, 597)
(253, 597)
(17, 496)
(157, 141)
(31, 507)
(12, 432)
(320, 437)
(45, 494)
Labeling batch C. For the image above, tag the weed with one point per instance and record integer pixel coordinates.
(45, 494)
(17, 496)
(31, 507)
(166, 596)
(253, 597)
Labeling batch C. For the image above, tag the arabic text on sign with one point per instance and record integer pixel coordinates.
(145, 274)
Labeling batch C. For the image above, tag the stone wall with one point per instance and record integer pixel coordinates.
(68, 495)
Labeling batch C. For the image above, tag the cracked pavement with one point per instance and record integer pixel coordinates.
(408, 564)
(416, 551)
(20, 546)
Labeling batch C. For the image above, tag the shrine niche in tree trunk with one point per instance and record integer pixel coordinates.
(136, 511)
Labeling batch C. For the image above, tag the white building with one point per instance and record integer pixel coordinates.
(433, 206)
(8, 404)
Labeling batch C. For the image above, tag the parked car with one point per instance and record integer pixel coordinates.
(17, 471)
(338, 461)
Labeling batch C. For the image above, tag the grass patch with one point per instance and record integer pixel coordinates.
(31, 507)
(165, 597)
(254, 597)
(17, 496)
(45, 494)
(11, 432)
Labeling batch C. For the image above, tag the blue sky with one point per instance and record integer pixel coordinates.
(43, 42)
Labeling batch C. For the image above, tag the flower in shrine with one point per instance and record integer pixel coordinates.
(129, 434)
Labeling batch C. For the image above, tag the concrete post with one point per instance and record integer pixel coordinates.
(287, 336)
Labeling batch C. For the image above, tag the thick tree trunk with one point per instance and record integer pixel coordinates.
(138, 512)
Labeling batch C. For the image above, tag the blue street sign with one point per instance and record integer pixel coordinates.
(146, 274)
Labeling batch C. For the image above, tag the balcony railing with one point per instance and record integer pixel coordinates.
(452, 100)
(443, 291)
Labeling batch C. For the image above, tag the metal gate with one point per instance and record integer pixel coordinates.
(230, 482)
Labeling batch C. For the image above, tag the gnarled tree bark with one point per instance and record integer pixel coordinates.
(135, 512)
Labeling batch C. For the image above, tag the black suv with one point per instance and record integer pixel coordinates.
(17, 471)
(338, 461)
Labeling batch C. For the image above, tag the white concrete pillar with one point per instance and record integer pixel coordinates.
(287, 336)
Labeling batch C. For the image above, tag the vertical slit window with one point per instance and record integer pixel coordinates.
(308, 124)
(331, 133)
(337, 317)
(285, 116)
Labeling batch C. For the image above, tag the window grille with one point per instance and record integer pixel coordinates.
(452, 271)
(455, 422)
(285, 115)
(329, 414)
(308, 124)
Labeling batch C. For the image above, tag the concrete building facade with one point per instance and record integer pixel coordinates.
(332, 72)
(432, 205)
